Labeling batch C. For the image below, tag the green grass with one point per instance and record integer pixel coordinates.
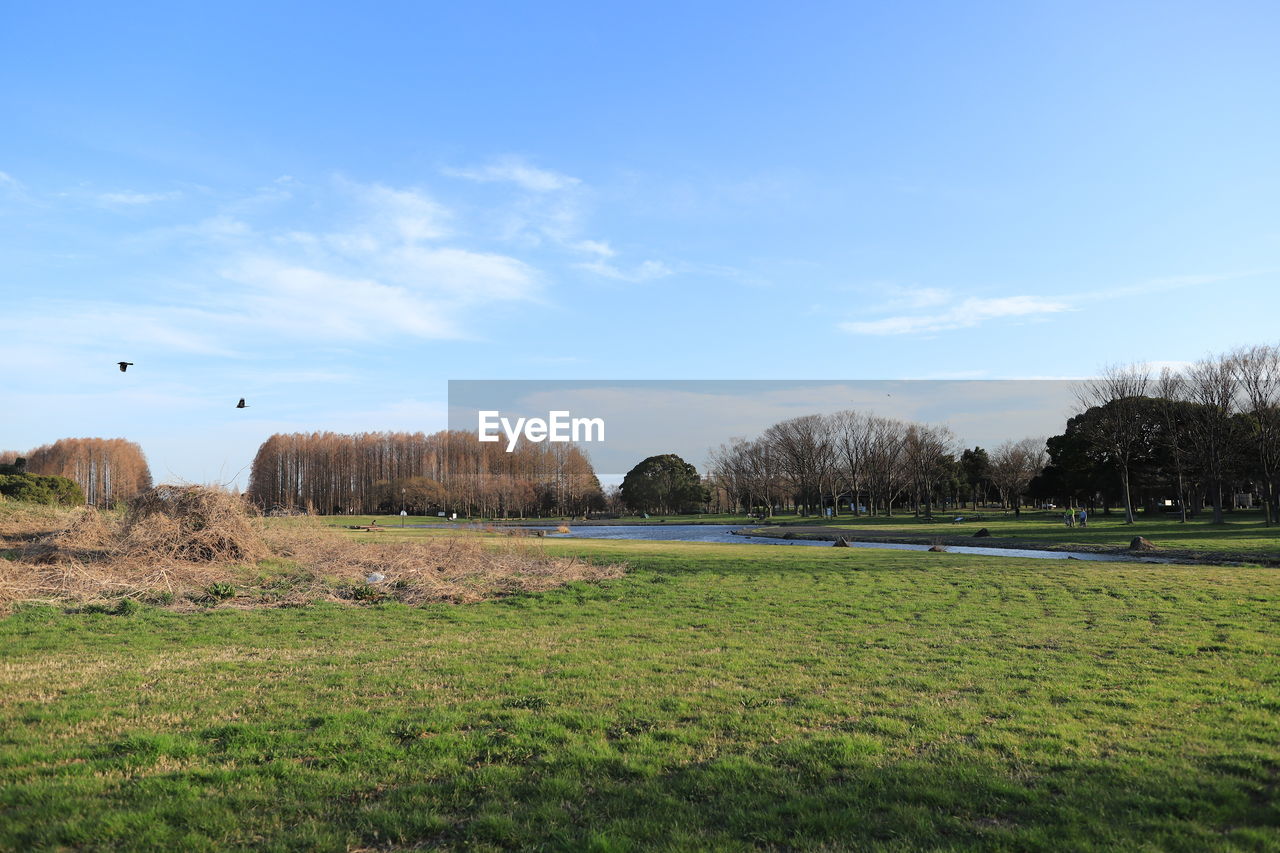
(1243, 533)
(718, 697)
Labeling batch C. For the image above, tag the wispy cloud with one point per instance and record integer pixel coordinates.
(516, 171)
(964, 314)
(388, 270)
(899, 298)
(316, 303)
(970, 312)
(1167, 283)
(134, 199)
(646, 271)
(552, 213)
(407, 214)
(334, 264)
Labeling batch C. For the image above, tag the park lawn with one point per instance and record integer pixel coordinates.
(1243, 533)
(717, 697)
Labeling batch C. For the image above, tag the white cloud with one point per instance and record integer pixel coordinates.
(119, 329)
(378, 276)
(516, 171)
(975, 311)
(965, 314)
(408, 214)
(910, 298)
(133, 199)
(646, 271)
(461, 276)
(595, 247)
(315, 303)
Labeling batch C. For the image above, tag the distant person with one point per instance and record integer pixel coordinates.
(1084, 517)
(1069, 519)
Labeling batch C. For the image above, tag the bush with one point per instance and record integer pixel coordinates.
(51, 491)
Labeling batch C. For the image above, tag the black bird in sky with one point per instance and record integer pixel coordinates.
(124, 365)
(241, 404)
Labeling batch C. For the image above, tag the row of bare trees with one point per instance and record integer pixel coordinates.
(870, 464)
(378, 472)
(1207, 427)
(106, 469)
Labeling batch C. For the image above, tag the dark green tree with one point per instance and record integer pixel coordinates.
(664, 483)
(975, 468)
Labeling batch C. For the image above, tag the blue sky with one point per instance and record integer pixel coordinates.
(331, 209)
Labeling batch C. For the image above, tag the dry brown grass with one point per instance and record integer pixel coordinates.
(447, 568)
(191, 546)
(23, 522)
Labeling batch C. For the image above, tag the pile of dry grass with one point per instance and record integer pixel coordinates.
(447, 568)
(192, 523)
(194, 545)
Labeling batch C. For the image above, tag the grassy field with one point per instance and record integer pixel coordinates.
(1244, 534)
(716, 697)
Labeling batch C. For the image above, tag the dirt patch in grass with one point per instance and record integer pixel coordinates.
(194, 547)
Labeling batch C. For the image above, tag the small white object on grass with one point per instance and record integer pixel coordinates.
(375, 577)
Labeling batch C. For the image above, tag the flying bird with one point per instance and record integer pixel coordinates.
(241, 404)
(124, 365)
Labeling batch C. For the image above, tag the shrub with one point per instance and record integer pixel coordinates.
(51, 491)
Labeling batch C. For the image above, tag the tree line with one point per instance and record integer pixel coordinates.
(106, 470)
(1196, 438)
(447, 471)
(1181, 441)
(857, 462)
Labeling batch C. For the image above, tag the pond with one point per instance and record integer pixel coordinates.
(725, 533)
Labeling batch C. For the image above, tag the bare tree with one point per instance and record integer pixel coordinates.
(1014, 464)
(383, 472)
(727, 475)
(106, 469)
(803, 447)
(928, 452)
(851, 442)
(1211, 384)
(1257, 370)
(885, 467)
(1119, 430)
(1170, 395)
